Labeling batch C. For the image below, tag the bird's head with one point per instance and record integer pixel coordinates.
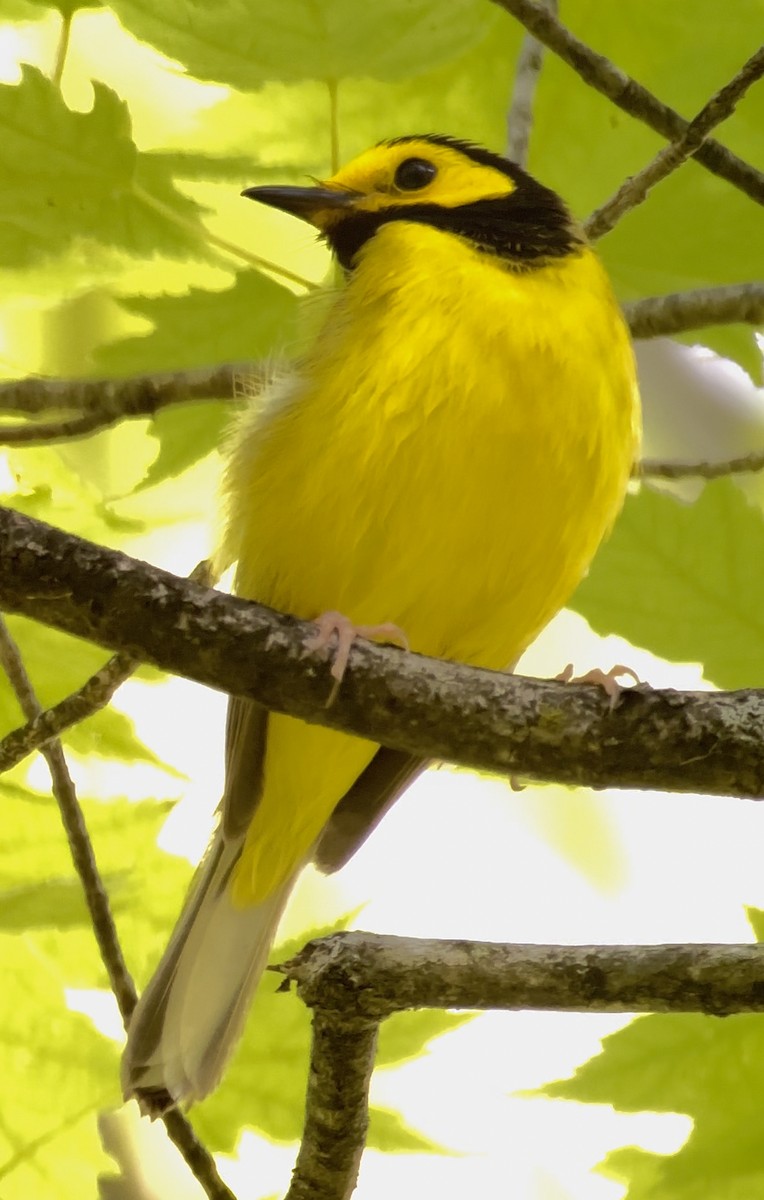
(453, 186)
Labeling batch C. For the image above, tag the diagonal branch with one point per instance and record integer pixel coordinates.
(635, 189)
(688, 742)
(93, 695)
(627, 94)
(43, 727)
(676, 312)
(352, 981)
(655, 469)
(179, 1130)
(99, 403)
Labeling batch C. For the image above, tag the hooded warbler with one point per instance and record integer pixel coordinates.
(448, 454)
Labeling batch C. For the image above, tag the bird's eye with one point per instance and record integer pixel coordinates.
(414, 173)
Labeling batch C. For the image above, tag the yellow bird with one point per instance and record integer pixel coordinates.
(447, 455)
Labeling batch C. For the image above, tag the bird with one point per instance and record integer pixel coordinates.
(445, 457)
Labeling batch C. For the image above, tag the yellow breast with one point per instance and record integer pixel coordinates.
(451, 453)
(448, 457)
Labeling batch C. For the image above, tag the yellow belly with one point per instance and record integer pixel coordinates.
(449, 457)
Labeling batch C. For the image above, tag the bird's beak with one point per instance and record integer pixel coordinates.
(314, 204)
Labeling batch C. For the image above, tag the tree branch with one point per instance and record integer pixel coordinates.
(75, 828)
(627, 94)
(520, 116)
(370, 976)
(655, 469)
(178, 1128)
(677, 312)
(687, 742)
(99, 403)
(352, 981)
(635, 189)
(336, 1106)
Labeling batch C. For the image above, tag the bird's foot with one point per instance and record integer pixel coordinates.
(334, 628)
(607, 680)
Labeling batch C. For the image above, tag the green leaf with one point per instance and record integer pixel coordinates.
(389, 1132)
(264, 1086)
(67, 8)
(246, 321)
(685, 582)
(197, 165)
(25, 10)
(710, 1069)
(756, 921)
(580, 826)
(49, 904)
(146, 886)
(58, 665)
(406, 1036)
(646, 1179)
(245, 43)
(70, 175)
(186, 433)
(57, 1073)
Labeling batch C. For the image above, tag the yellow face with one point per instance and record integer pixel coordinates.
(414, 171)
(455, 187)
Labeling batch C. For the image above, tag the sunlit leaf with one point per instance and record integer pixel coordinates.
(389, 1132)
(68, 174)
(186, 433)
(57, 1072)
(685, 581)
(247, 321)
(58, 665)
(405, 1036)
(245, 43)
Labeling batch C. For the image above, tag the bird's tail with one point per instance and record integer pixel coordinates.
(192, 1011)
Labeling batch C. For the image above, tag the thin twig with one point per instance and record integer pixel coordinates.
(334, 125)
(179, 1130)
(92, 696)
(600, 73)
(76, 831)
(100, 403)
(634, 190)
(677, 312)
(657, 469)
(49, 432)
(520, 116)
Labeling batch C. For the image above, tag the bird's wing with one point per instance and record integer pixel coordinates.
(245, 737)
(358, 812)
(364, 805)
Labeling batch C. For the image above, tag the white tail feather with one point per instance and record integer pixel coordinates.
(194, 1007)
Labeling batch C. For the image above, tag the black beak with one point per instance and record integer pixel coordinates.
(302, 201)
